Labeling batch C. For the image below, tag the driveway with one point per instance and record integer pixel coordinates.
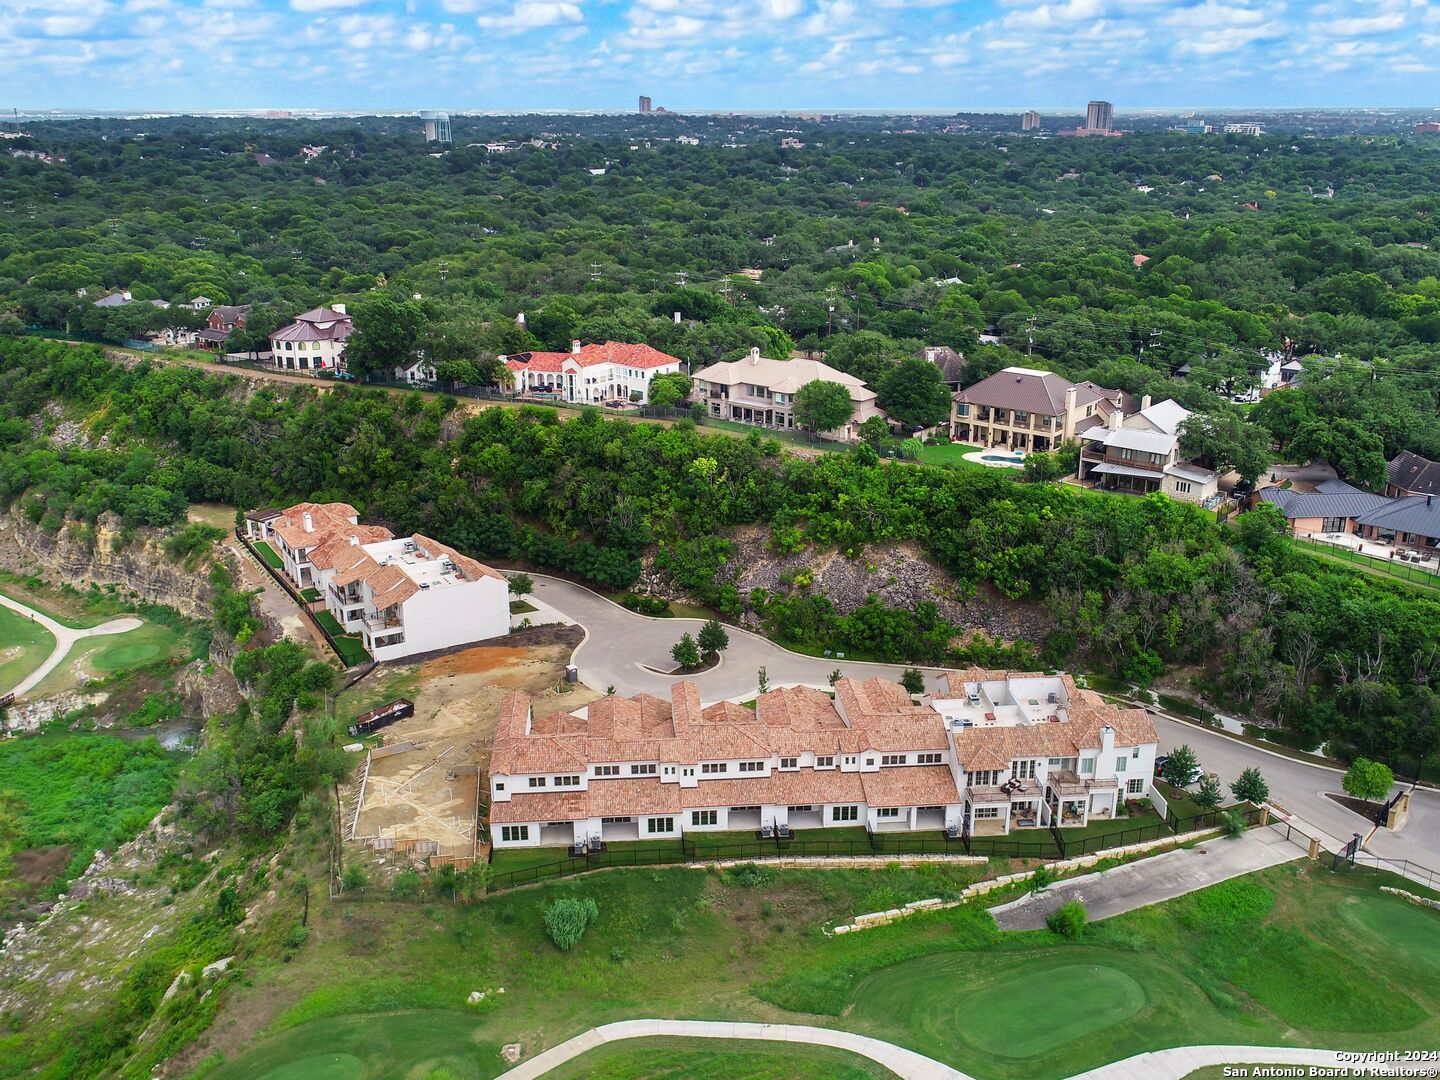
(1297, 786)
(632, 652)
(65, 637)
(1150, 881)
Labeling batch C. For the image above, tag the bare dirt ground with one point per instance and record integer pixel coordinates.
(431, 792)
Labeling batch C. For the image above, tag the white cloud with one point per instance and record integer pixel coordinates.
(533, 15)
(1377, 24)
(324, 5)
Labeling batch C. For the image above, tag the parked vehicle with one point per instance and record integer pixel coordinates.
(384, 716)
(1193, 778)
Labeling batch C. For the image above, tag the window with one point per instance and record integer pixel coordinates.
(1021, 418)
(869, 762)
(704, 817)
(985, 778)
(642, 770)
(512, 833)
(844, 813)
(687, 772)
(849, 759)
(1121, 763)
(987, 812)
(752, 766)
(499, 785)
(929, 759)
(710, 768)
(888, 812)
(789, 763)
(1134, 787)
(1332, 524)
(537, 781)
(825, 761)
(616, 820)
(1023, 769)
(894, 759)
(659, 824)
(607, 770)
(1087, 766)
(1135, 752)
(1061, 763)
(567, 781)
(1182, 487)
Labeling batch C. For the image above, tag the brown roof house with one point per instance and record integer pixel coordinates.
(1030, 410)
(315, 341)
(987, 754)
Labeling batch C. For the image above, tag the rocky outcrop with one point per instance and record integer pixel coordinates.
(82, 556)
(899, 575)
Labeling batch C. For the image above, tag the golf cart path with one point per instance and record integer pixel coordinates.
(1153, 880)
(1170, 1064)
(65, 639)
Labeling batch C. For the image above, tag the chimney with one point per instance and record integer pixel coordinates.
(1107, 740)
(308, 521)
(754, 356)
(1145, 402)
(1117, 420)
(677, 318)
(1070, 394)
(340, 308)
(575, 345)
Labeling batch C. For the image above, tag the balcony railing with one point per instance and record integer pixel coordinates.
(379, 622)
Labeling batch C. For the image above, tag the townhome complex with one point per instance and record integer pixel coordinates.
(402, 595)
(1138, 453)
(761, 391)
(315, 341)
(996, 751)
(1031, 410)
(591, 374)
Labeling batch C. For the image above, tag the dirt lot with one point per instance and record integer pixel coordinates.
(430, 792)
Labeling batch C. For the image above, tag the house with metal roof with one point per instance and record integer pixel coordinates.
(1139, 453)
(1333, 507)
(1027, 409)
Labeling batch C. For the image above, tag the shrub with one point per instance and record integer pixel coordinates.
(1042, 879)
(1068, 920)
(1366, 779)
(296, 936)
(354, 877)
(747, 876)
(567, 919)
(645, 605)
(406, 883)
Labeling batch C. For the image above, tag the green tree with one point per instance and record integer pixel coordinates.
(914, 393)
(1356, 451)
(1208, 794)
(1366, 779)
(1180, 766)
(823, 406)
(913, 680)
(874, 430)
(713, 639)
(762, 681)
(1226, 441)
(1251, 787)
(686, 652)
(567, 919)
(386, 333)
(521, 585)
(670, 389)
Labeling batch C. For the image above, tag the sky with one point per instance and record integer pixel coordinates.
(716, 54)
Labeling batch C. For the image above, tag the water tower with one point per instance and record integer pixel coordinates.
(437, 126)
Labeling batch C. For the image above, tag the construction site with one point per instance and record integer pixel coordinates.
(420, 792)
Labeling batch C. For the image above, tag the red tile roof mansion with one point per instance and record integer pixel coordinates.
(997, 750)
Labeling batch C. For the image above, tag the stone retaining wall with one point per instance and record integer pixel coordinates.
(980, 888)
(1423, 901)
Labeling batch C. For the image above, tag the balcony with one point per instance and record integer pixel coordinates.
(378, 622)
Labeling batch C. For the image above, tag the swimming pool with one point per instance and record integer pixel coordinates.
(1004, 459)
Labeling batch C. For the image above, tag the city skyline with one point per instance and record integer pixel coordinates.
(890, 55)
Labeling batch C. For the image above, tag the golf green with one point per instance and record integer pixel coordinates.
(1411, 930)
(24, 645)
(126, 654)
(1018, 1009)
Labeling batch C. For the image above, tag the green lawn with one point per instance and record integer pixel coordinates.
(1269, 959)
(520, 607)
(1410, 574)
(72, 608)
(351, 651)
(949, 454)
(218, 515)
(270, 555)
(24, 645)
(714, 1059)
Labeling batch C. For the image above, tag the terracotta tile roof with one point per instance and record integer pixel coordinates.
(910, 785)
(611, 352)
(799, 788)
(472, 569)
(390, 585)
(328, 521)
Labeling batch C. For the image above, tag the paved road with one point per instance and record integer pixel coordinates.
(1297, 786)
(902, 1062)
(65, 637)
(1150, 881)
(622, 648)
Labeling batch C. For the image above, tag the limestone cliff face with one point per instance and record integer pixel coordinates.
(82, 557)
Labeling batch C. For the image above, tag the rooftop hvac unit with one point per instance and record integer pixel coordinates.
(1051, 698)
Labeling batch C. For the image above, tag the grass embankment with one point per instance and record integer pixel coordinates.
(351, 651)
(1267, 959)
(712, 1059)
(24, 645)
(78, 792)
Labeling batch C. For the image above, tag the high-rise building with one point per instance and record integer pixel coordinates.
(1029, 121)
(1099, 115)
(437, 126)
(644, 104)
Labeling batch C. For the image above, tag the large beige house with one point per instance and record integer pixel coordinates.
(761, 391)
(1137, 453)
(1025, 409)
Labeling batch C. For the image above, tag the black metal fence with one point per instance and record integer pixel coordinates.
(1036, 844)
(304, 605)
(1365, 861)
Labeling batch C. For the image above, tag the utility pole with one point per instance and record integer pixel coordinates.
(725, 289)
(680, 277)
(1030, 337)
(594, 271)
